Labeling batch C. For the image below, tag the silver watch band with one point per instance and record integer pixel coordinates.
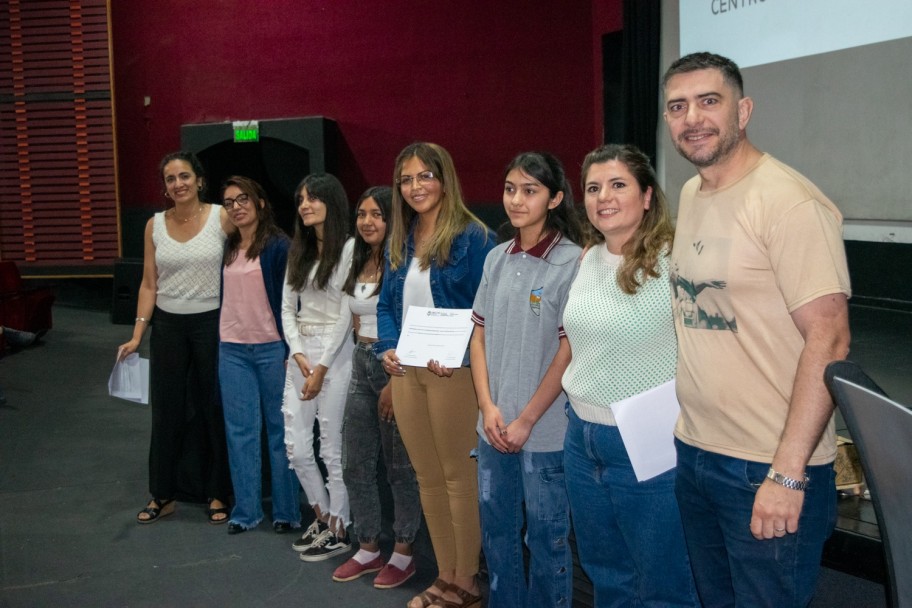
(787, 482)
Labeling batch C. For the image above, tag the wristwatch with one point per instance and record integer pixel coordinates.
(787, 482)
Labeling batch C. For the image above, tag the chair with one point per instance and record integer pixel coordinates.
(882, 431)
(22, 308)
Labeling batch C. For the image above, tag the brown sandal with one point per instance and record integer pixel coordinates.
(468, 599)
(428, 597)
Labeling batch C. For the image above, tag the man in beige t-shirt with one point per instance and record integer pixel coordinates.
(760, 286)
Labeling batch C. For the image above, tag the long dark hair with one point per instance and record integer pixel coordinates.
(266, 226)
(363, 252)
(305, 251)
(655, 234)
(548, 170)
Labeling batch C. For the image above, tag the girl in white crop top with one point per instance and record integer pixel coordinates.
(370, 428)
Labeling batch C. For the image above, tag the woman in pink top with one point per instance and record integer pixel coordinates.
(252, 355)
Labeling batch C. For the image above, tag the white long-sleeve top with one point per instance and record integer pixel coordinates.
(320, 309)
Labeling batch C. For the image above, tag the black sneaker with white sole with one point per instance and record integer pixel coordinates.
(310, 535)
(325, 546)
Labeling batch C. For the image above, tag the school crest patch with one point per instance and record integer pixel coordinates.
(535, 297)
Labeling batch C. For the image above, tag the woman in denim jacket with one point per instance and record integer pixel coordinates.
(435, 258)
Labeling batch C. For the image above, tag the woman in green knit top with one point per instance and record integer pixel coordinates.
(619, 324)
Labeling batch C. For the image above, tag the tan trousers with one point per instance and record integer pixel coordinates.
(437, 417)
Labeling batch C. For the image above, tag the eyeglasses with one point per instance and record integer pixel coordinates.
(422, 178)
(241, 200)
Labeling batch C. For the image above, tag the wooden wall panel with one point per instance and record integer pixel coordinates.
(58, 194)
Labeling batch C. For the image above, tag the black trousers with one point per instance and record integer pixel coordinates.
(187, 421)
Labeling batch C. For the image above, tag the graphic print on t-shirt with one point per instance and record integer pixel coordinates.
(535, 297)
(699, 281)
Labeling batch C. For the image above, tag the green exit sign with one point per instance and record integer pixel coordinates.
(246, 130)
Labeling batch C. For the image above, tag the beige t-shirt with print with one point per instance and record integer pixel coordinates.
(745, 257)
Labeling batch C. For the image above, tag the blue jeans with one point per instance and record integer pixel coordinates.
(628, 533)
(732, 568)
(505, 482)
(365, 438)
(252, 377)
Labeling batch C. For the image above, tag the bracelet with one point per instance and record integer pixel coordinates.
(787, 482)
(143, 319)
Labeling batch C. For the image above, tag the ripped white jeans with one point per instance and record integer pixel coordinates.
(328, 407)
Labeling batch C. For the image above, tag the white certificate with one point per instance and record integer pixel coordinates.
(441, 334)
(646, 423)
(130, 379)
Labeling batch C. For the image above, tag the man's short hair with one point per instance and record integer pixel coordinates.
(707, 61)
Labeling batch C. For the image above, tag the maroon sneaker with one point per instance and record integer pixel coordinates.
(391, 576)
(352, 569)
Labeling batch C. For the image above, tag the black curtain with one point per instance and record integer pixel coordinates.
(630, 61)
(642, 19)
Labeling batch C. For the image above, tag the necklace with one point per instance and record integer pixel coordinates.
(366, 278)
(173, 213)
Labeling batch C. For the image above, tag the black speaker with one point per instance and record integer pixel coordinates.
(127, 278)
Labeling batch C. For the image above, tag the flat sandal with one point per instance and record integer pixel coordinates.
(427, 597)
(154, 511)
(468, 599)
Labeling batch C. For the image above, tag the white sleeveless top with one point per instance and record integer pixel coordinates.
(364, 304)
(189, 274)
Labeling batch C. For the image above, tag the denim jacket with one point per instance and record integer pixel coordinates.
(452, 286)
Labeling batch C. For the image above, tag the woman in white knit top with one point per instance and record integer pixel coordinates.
(618, 321)
(180, 289)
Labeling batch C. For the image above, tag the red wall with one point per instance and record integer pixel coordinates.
(483, 81)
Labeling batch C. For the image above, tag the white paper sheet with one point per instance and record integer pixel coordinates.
(646, 423)
(434, 333)
(130, 379)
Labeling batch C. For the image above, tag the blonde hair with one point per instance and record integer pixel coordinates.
(452, 220)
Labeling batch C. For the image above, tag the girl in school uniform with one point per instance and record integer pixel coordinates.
(519, 353)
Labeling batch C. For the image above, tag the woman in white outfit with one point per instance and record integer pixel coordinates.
(319, 366)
